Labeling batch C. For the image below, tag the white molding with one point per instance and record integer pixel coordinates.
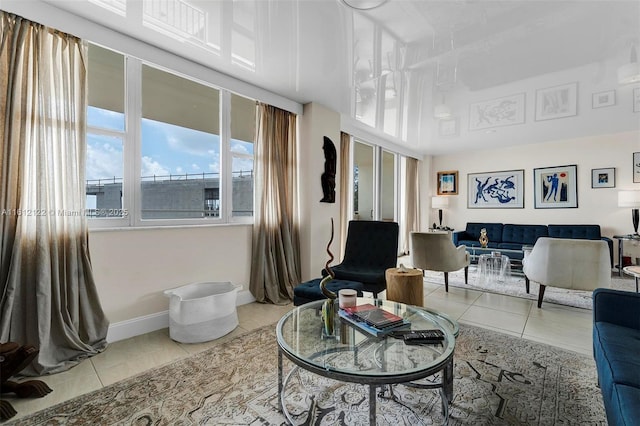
(156, 321)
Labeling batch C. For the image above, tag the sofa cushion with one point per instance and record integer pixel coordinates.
(584, 232)
(616, 349)
(523, 234)
(494, 231)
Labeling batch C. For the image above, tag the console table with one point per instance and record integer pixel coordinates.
(621, 239)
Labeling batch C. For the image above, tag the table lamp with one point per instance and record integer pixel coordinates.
(439, 203)
(631, 199)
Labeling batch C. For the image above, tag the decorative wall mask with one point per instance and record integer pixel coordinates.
(328, 178)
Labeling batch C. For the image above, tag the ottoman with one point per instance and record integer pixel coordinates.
(310, 291)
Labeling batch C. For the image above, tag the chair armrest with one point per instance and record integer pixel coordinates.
(463, 255)
(616, 307)
(609, 241)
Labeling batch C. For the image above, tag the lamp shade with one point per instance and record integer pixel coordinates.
(439, 202)
(628, 199)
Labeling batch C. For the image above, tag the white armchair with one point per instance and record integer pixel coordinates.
(434, 251)
(567, 263)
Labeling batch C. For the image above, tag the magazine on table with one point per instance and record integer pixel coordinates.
(374, 315)
(377, 332)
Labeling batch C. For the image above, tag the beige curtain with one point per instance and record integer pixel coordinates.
(346, 179)
(48, 296)
(275, 265)
(411, 201)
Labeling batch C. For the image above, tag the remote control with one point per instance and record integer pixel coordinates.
(424, 336)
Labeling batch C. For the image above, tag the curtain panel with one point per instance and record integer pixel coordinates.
(275, 265)
(48, 296)
(412, 201)
(345, 183)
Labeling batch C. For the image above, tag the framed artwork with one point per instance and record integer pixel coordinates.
(603, 178)
(555, 187)
(496, 190)
(636, 167)
(603, 99)
(448, 127)
(448, 183)
(636, 99)
(557, 102)
(497, 112)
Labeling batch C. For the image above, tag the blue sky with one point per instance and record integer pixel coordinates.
(166, 149)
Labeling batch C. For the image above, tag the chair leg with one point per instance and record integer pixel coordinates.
(526, 283)
(466, 275)
(541, 295)
(446, 282)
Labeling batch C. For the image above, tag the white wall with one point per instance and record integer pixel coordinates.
(315, 221)
(595, 206)
(132, 267)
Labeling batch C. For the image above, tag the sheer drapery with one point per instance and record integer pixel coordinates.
(275, 265)
(411, 201)
(48, 296)
(345, 182)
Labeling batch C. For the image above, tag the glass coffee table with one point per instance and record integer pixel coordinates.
(353, 355)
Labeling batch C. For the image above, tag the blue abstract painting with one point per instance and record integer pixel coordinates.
(502, 189)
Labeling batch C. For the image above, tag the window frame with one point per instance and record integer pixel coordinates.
(132, 156)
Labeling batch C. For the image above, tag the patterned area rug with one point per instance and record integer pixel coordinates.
(498, 380)
(515, 286)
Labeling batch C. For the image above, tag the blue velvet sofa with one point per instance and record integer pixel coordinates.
(514, 236)
(616, 350)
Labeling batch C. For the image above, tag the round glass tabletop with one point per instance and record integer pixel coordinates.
(352, 353)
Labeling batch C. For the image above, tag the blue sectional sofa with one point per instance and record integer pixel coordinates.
(616, 349)
(514, 236)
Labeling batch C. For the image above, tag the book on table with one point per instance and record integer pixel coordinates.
(373, 320)
(377, 332)
(374, 315)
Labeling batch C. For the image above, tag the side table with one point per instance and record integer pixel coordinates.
(493, 268)
(621, 239)
(405, 287)
(634, 271)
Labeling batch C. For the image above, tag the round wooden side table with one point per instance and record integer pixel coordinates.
(405, 287)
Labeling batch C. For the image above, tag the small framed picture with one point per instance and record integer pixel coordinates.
(448, 183)
(556, 187)
(636, 99)
(603, 99)
(603, 178)
(636, 167)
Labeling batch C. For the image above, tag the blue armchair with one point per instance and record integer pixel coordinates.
(371, 248)
(616, 345)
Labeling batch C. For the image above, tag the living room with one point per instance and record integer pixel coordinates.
(152, 259)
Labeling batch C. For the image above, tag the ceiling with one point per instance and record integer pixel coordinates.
(402, 56)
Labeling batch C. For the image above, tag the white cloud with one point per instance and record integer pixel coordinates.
(179, 170)
(150, 167)
(103, 161)
(194, 166)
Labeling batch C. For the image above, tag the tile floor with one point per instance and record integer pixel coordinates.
(562, 326)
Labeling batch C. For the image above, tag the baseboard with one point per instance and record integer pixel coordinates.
(157, 321)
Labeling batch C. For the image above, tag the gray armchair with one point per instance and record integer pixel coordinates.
(567, 263)
(434, 251)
